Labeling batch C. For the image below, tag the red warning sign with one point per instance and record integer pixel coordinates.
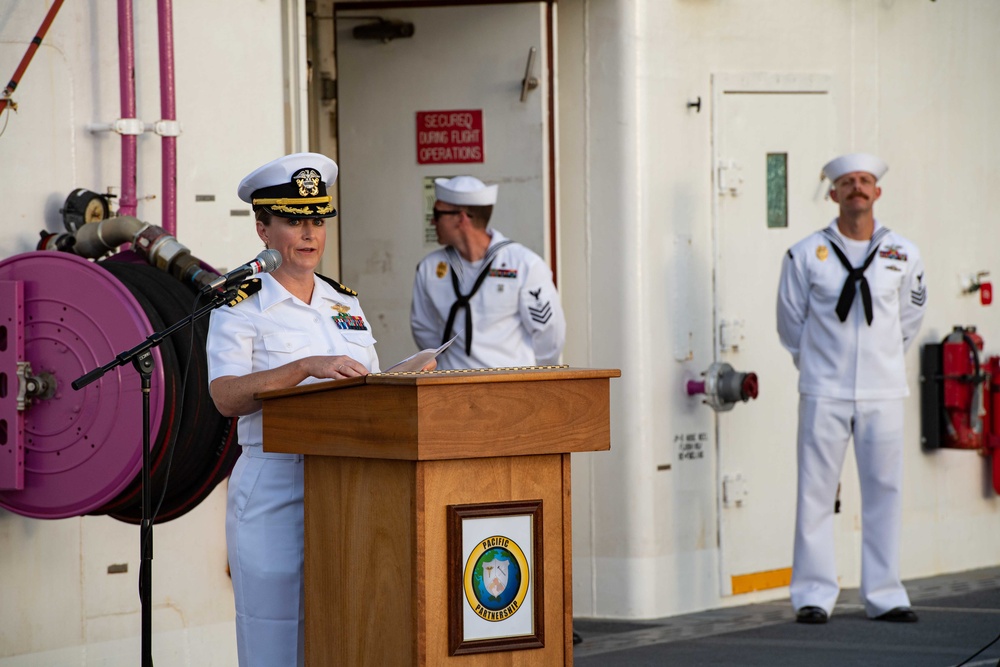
(445, 137)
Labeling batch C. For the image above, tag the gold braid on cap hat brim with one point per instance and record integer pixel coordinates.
(282, 205)
(291, 200)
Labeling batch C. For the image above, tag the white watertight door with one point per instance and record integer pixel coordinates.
(772, 136)
(451, 99)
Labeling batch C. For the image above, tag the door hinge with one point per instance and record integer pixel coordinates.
(730, 178)
(734, 490)
(730, 335)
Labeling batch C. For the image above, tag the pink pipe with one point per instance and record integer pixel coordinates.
(168, 111)
(126, 73)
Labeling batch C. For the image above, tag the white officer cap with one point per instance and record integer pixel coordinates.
(846, 164)
(293, 186)
(465, 191)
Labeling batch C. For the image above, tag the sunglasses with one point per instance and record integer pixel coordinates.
(438, 213)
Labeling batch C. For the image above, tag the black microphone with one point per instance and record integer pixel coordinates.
(267, 261)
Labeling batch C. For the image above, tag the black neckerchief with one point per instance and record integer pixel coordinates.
(462, 300)
(855, 275)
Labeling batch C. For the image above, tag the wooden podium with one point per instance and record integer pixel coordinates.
(391, 461)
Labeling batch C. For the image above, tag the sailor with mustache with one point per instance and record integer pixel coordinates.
(851, 299)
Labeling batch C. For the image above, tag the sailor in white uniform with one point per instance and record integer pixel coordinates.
(850, 302)
(288, 327)
(496, 295)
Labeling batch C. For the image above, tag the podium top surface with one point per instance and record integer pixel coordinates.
(439, 415)
(432, 378)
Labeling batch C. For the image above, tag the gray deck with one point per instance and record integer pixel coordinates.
(959, 615)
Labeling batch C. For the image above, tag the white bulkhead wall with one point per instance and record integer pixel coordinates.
(909, 81)
(64, 597)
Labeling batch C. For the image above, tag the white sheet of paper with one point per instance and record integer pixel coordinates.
(418, 360)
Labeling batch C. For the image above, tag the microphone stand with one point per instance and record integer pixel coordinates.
(141, 357)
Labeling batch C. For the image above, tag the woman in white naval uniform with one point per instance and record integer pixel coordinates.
(850, 302)
(291, 327)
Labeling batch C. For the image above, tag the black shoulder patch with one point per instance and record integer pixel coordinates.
(245, 290)
(337, 286)
(790, 256)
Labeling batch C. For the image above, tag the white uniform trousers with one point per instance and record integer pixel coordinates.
(264, 534)
(825, 426)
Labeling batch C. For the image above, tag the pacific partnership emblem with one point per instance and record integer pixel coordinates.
(496, 578)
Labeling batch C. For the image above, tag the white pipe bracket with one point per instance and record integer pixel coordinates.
(167, 128)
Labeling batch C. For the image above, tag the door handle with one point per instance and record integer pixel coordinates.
(530, 82)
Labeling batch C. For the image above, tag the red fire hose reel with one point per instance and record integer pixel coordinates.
(960, 397)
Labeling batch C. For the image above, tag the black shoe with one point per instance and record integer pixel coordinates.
(577, 638)
(898, 615)
(811, 615)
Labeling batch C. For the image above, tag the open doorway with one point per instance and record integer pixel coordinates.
(424, 90)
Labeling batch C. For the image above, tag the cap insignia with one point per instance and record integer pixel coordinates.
(308, 182)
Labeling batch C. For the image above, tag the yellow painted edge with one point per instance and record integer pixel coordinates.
(759, 581)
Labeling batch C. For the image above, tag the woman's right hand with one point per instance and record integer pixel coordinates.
(336, 367)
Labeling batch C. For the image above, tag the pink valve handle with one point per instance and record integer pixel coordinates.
(695, 387)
